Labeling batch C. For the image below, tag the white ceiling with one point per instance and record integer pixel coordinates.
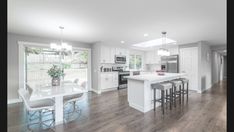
(112, 21)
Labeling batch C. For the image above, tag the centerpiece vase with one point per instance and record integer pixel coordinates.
(56, 81)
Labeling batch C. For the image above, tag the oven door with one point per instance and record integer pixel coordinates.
(123, 80)
(120, 59)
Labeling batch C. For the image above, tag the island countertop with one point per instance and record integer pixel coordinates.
(152, 77)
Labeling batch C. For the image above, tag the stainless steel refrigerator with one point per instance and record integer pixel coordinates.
(170, 63)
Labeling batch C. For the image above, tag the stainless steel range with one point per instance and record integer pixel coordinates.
(123, 82)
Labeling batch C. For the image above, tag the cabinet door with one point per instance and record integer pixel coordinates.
(104, 81)
(112, 55)
(104, 52)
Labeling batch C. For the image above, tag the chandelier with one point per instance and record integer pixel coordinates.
(163, 51)
(63, 47)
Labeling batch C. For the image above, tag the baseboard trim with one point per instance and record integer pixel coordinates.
(13, 101)
(109, 89)
(96, 91)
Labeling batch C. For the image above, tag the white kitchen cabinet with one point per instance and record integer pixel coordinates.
(109, 80)
(121, 51)
(174, 50)
(107, 54)
(151, 57)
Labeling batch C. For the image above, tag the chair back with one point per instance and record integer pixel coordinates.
(83, 85)
(76, 80)
(24, 94)
(30, 90)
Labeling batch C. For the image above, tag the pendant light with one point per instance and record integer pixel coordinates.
(63, 47)
(163, 51)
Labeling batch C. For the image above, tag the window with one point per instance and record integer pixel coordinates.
(40, 60)
(135, 62)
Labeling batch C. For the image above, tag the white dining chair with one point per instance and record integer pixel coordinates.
(33, 107)
(72, 99)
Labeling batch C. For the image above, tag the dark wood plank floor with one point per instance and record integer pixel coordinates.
(109, 112)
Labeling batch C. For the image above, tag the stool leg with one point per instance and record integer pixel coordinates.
(162, 101)
(175, 96)
(154, 98)
(187, 90)
(180, 94)
(183, 92)
(170, 97)
(166, 97)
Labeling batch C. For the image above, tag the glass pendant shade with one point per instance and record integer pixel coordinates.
(163, 51)
(63, 46)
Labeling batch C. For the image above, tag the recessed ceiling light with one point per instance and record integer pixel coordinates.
(146, 35)
(122, 42)
(155, 42)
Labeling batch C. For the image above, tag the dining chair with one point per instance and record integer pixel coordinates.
(33, 107)
(72, 99)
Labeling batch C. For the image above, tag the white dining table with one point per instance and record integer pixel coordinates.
(57, 92)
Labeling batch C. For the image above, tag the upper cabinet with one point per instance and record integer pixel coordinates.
(174, 50)
(151, 57)
(108, 54)
(121, 51)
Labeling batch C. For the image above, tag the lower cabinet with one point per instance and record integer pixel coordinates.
(109, 80)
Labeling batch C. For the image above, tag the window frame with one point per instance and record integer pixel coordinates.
(21, 59)
(134, 69)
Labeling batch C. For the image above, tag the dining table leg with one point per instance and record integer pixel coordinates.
(58, 110)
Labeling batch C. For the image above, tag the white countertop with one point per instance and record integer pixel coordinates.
(155, 77)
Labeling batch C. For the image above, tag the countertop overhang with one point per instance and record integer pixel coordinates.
(155, 77)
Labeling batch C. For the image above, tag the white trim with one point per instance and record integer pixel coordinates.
(21, 66)
(22, 45)
(109, 89)
(12, 101)
(96, 91)
(135, 106)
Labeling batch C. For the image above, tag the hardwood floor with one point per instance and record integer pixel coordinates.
(109, 112)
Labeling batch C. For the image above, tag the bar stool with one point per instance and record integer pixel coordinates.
(164, 86)
(176, 84)
(183, 91)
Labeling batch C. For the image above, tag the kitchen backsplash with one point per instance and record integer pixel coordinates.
(152, 67)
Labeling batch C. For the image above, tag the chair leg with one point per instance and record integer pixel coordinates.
(154, 98)
(174, 96)
(162, 101)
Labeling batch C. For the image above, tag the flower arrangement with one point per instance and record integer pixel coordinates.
(55, 72)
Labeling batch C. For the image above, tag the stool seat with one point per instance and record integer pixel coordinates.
(162, 86)
(184, 80)
(176, 82)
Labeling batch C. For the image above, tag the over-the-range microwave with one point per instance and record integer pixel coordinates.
(120, 59)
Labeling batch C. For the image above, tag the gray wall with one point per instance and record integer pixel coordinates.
(12, 58)
(216, 67)
(95, 66)
(205, 66)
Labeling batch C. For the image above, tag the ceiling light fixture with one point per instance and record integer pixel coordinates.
(155, 42)
(122, 42)
(146, 35)
(163, 51)
(62, 46)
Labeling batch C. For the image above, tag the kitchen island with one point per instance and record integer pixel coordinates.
(140, 93)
